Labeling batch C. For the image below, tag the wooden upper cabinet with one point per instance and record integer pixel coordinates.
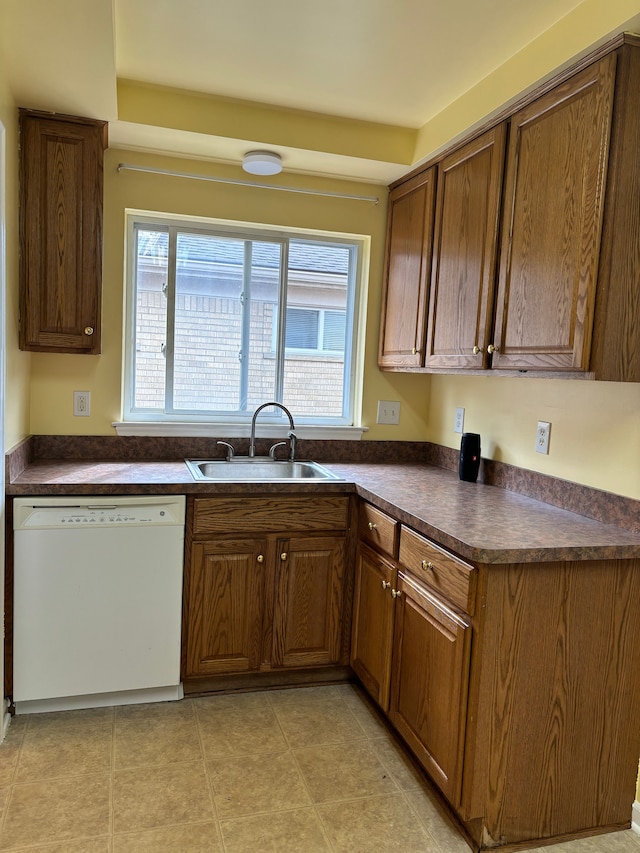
(465, 253)
(407, 269)
(553, 213)
(61, 176)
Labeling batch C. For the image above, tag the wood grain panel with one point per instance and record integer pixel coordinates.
(429, 683)
(406, 276)
(308, 602)
(61, 232)
(373, 610)
(270, 514)
(452, 578)
(225, 609)
(616, 339)
(465, 253)
(378, 529)
(554, 202)
(557, 726)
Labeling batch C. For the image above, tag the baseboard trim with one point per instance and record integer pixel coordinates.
(635, 817)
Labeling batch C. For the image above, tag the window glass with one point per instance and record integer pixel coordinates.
(224, 321)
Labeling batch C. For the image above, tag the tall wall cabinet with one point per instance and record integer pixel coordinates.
(61, 176)
(535, 254)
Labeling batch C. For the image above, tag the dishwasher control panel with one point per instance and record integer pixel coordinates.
(69, 513)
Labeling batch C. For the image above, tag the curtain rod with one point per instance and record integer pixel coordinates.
(130, 167)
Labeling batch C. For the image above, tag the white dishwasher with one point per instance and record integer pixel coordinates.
(97, 601)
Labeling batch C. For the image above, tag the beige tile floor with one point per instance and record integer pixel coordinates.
(291, 771)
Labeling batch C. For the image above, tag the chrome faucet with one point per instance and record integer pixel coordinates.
(291, 435)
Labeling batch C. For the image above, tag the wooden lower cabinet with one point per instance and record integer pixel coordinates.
(308, 602)
(373, 611)
(272, 600)
(225, 608)
(514, 685)
(428, 706)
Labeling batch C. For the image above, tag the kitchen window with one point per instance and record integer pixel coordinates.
(221, 319)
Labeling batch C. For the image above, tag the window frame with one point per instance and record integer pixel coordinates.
(354, 333)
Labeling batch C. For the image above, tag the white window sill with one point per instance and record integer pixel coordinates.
(222, 430)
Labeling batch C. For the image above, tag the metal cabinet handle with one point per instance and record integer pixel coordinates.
(283, 556)
(476, 350)
(260, 558)
(372, 526)
(386, 584)
(88, 330)
(396, 593)
(415, 351)
(426, 564)
(491, 349)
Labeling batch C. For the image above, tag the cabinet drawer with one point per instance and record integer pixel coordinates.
(451, 577)
(378, 529)
(268, 514)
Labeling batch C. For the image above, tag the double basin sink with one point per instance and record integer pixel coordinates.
(257, 469)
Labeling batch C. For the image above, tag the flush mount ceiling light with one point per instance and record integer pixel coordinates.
(262, 163)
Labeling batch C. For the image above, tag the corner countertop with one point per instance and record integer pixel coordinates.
(481, 523)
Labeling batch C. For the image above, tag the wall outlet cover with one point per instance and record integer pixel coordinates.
(542, 437)
(81, 404)
(458, 421)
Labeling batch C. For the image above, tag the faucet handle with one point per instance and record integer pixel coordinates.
(293, 438)
(274, 447)
(230, 449)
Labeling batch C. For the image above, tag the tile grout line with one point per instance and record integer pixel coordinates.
(207, 776)
(314, 806)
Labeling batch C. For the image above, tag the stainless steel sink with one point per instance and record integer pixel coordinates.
(257, 470)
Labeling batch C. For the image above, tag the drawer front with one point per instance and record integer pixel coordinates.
(378, 529)
(454, 579)
(268, 514)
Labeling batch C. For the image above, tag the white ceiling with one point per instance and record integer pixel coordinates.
(397, 62)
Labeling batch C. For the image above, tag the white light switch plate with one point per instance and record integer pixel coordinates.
(388, 412)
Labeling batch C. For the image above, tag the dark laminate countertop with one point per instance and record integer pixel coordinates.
(479, 522)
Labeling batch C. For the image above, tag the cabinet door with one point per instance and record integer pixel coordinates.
(308, 601)
(226, 590)
(60, 232)
(465, 253)
(373, 608)
(407, 269)
(554, 196)
(431, 650)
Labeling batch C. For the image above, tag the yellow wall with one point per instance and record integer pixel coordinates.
(17, 363)
(55, 377)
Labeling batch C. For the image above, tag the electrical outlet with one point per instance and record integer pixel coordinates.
(388, 412)
(458, 421)
(542, 437)
(81, 404)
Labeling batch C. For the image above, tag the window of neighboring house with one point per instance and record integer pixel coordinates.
(221, 320)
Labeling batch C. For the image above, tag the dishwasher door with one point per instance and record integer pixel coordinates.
(97, 600)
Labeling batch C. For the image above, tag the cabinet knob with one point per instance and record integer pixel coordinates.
(396, 593)
(372, 526)
(476, 350)
(415, 351)
(386, 584)
(260, 558)
(283, 556)
(88, 330)
(427, 564)
(491, 348)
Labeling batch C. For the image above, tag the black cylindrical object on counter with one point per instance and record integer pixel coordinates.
(469, 456)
